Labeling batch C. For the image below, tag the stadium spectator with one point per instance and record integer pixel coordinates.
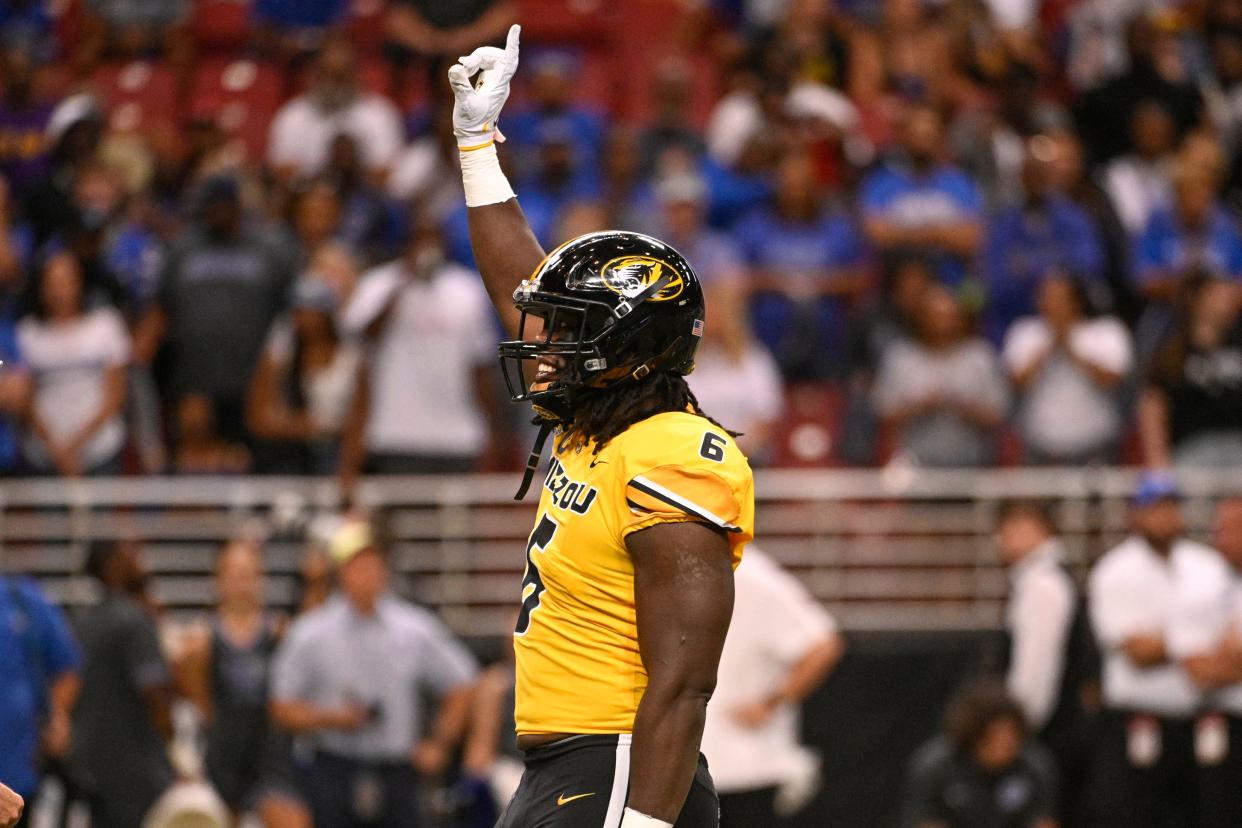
(1195, 233)
(942, 394)
(25, 25)
(301, 136)
(314, 217)
(886, 319)
(122, 722)
(552, 108)
(1044, 235)
(73, 133)
(1154, 71)
(1071, 176)
(15, 392)
(557, 177)
(682, 221)
(132, 29)
(12, 805)
(1066, 367)
(735, 379)
(225, 670)
(1146, 773)
(24, 118)
(305, 395)
(440, 30)
(426, 172)
(1140, 182)
(1190, 412)
(990, 142)
(670, 129)
(1203, 637)
(223, 283)
(1052, 664)
(781, 647)
(368, 221)
(918, 201)
(76, 359)
(984, 771)
(16, 249)
(38, 685)
(806, 268)
(432, 350)
(90, 231)
(624, 192)
(294, 28)
(904, 55)
(348, 677)
(199, 448)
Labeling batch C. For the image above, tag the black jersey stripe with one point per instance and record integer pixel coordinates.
(683, 506)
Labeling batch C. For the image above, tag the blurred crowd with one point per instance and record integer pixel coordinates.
(232, 236)
(1114, 702)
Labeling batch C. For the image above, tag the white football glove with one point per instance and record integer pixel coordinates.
(478, 105)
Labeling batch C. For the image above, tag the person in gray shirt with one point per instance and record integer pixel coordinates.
(122, 723)
(349, 677)
(943, 394)
(222, 285)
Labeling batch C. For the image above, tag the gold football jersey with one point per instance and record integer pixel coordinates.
(576, 641)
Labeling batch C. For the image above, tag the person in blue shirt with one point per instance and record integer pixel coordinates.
(15, 390)
(552, 82)
(1196, 233)
(1046, 234)
(38, 683)
(299, 14)
(917, 201)
(805, 269)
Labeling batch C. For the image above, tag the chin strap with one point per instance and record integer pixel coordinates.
(532, 462)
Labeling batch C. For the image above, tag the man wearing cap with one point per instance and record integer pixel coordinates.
(349, 676)
(1205, 635)
(1147, 758)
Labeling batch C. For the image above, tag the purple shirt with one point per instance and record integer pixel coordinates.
(23, 145)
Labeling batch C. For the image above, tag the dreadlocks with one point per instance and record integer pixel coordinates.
(601, 414)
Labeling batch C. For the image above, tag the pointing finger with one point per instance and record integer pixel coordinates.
(459, 79)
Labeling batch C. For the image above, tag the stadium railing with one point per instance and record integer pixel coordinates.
(891, 549)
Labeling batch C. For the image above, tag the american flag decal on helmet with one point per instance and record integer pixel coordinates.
(697, 328)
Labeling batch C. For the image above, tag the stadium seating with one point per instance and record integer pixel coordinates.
(141, 96)
(242, 95)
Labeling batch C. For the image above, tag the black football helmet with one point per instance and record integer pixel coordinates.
(614, 307)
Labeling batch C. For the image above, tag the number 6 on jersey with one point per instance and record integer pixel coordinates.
(532, 581)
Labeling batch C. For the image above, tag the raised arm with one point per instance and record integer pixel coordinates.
(505, 249)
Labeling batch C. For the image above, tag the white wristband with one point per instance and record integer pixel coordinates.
(633, 819)
(482, 178)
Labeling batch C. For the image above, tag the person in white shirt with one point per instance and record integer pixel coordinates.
(76, 358)
(1146, 762)
(1141, 183)
(1067, 368)
(429, 329)
(303, 130)
(736, 379)
(1206, 636)
(781, 646)
(1052, 668)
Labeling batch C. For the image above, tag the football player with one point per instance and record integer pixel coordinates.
(643, 513)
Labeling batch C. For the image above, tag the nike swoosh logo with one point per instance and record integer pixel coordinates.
(564, 800)
(595, 463)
